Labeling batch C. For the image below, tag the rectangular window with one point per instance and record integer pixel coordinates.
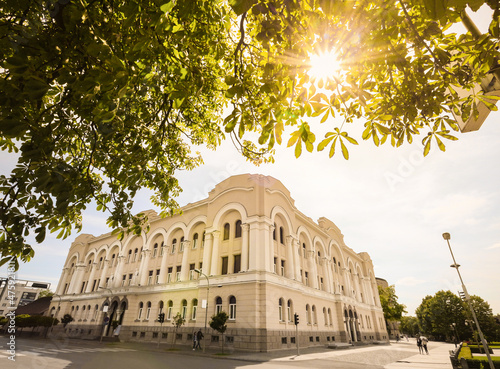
(191, 272)
(237, 263)
(181, 246)
(169, 275)
(150, 277)
(275, 267)
(201, 266)
(124, 279)
(232, 311)
(306, 282)
(83, 287)
(321, 283)
(178, 273)
(280, 313)
(224, 265)
(130, 279)
(93, 285)
(283, 268)
(193, 315)
(169, 313)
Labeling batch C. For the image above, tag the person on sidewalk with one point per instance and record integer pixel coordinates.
(195, 335)
(424, 344)
(419, 345)
(199, 336)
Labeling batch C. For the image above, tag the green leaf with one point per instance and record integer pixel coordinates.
(436, 9)
(241, 6)
(345, 152)
(166, 8)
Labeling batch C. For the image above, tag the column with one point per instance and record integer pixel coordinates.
(143, 273)
(259, 256)
(270, 250)
(214, 265)
(184, 265)
(329, 275)
(244, 246)
(91, 278)
(103, 273)
(77, 279)
(313, 269)
(62, 281)
(207, 252)
(290, 260)
(296, 255)
(163, 267)
(119, 271)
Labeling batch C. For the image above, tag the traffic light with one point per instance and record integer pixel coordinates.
(296, 318)
(161, 317)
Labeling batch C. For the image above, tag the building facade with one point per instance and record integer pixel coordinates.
(246, 250)
(21, 293)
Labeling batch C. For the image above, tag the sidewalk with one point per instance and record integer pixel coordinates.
(438, 358)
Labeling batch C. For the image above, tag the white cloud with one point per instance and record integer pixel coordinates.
(494, 246)
(409, 281)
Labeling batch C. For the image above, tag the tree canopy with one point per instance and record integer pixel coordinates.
(99, 99)
(393, 310)
(445, 315)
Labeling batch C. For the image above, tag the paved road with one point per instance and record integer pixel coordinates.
(78, 354)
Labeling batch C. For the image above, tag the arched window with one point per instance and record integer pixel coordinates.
(195, 308)
(89, 266)
(96, 312)
(232, 308)
(184, 309)
(226, 232)
(325, 316)
(304, 254)
(148, 310)
(160, 307)
(308, 314)
(113, 259)
(170, 305)
(319, 258)
(141, 307)
(330, 316)
(155, 250)
(237, 229)
(274, 232)
(195, 240)
(280, 309)
(99, 266)
(174, 243)
(218, 305)
(314, 316)
(136, 251)
(84, 312)
(281, 235)
(129, 257)
(181, 244)
(140, 254)
(289, 310)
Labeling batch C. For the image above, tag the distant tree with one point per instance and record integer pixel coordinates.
(45, 293)
(409, 325)
(67, 318)
(218, 323)
(177, 321)
(441, 314)
(393, 311)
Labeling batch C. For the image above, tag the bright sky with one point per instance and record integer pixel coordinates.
(392, 203)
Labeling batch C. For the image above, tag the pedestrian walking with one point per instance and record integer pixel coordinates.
(419, 344)
(199, 337)
(195, 339)
(424, 344)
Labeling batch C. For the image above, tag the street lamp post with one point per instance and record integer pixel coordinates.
(206, 305)
(447, 237)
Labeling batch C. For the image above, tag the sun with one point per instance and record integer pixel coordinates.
(324, 66)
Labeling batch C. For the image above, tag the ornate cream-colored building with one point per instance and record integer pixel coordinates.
(262, 261)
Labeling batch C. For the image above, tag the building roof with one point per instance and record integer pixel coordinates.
(37, 307)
